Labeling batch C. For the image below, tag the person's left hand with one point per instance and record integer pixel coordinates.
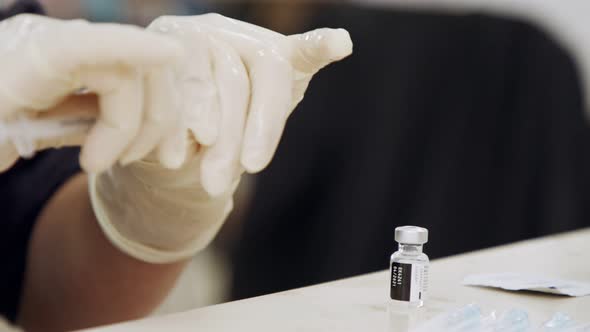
(46, 63)
(239, 85)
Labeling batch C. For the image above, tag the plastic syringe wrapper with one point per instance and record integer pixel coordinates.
(472, 318)
(529, 282)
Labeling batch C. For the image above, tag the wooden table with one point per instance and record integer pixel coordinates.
(361, 303)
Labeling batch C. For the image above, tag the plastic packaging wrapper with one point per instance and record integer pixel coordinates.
(529, 282)
(472, 318)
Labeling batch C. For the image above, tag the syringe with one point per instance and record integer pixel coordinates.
(26, 132)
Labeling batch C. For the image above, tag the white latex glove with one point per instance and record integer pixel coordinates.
(567, 21)
(240, 84)
(45, 61)
(155, 214)
(237, 76)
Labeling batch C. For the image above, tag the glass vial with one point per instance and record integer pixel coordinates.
(409, 267)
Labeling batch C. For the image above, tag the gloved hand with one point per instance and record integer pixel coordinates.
(240, 84)
(236, 77)
(156, 214)
(45, 61)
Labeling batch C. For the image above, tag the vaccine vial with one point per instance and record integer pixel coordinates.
(409, 267)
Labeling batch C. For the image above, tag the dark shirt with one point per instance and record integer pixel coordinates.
(24, 191)
(20, 7)
(472, 126)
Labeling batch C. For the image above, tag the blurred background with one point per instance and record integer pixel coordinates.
(126, 11)
(470, 125)
(142, 12)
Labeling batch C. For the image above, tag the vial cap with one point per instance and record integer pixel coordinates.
(411, 235)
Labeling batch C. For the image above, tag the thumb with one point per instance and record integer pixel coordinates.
(316, 49)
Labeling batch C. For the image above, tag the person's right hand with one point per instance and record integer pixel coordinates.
(240, 83)
(44, 62)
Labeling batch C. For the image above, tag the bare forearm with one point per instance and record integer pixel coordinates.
(75, 278)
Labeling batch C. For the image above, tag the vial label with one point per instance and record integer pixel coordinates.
(408, 282)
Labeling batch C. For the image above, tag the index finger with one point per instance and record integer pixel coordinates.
(120, 96)
(316, 49)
